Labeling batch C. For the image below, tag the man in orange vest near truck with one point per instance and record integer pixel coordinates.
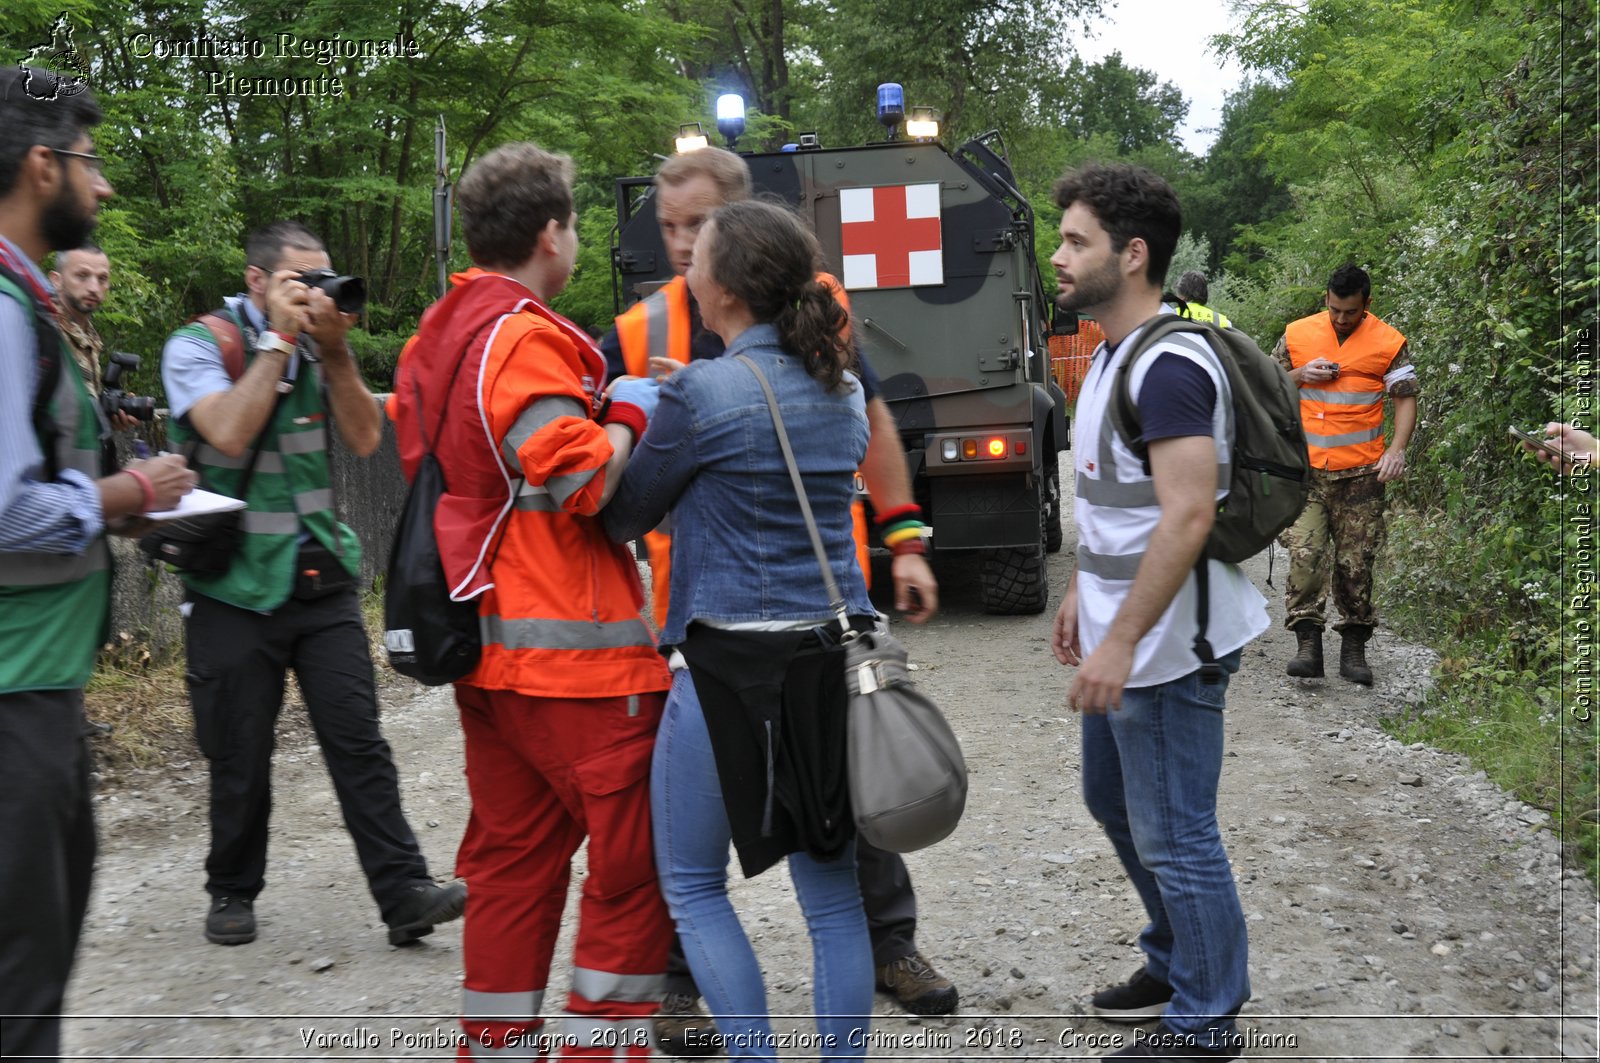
(654, 337)
(1345, 361)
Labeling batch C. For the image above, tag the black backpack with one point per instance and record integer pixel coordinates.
(1271, 473)
(427, 635)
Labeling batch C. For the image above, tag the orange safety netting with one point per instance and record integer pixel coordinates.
(1069, 356)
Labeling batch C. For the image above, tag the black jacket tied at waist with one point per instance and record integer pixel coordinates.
(775, 706)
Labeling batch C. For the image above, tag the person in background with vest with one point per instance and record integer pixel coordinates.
(1153, 729)
(56, 505)
(656, 336)
(265, 375)
(1193, 290)
(560, 714)
(1345, 361)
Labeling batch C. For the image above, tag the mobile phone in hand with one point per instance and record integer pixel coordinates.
(1539, 442)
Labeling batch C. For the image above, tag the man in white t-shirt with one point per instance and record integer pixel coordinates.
(1152, 723)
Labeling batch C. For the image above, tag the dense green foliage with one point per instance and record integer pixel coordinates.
(1446, 145)
(1449, 147)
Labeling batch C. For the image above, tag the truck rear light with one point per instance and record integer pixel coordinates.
(950, 450)
(996, 447)
(969, 449)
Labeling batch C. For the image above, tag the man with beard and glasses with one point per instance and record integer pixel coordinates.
(56, 505)
(1152, 721)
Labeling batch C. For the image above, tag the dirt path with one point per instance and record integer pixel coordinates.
(1400, 907)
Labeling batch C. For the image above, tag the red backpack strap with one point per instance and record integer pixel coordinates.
(229, 342)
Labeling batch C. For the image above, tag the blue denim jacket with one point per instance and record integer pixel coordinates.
(740, 551)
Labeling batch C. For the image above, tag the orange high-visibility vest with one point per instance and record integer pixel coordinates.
(1343, 417)
(657, 326)
(519, 528)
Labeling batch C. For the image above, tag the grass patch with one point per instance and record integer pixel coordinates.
(145, 698)
(1491, 603)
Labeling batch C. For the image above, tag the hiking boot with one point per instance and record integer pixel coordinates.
(1353, 655)
(1307, 660)
(919, 988)
(231, 921)
(1139, 999)
(683, 1028)
(1163, 1043)
(424, 905)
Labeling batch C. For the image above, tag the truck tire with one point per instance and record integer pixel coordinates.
(1014, 580)
(1052, 505)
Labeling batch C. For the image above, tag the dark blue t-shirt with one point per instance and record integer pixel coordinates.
(703, 343)
(1176, 399)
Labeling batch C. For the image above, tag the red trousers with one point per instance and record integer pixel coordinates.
(544, 773)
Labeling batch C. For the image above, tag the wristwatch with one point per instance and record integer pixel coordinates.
(274, 341)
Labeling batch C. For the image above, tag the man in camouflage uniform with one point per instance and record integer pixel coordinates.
(81, 278)
(1344, 361)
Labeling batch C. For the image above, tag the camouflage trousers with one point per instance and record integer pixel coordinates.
(1340, 530)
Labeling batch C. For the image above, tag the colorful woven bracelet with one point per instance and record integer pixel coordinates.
(902, 533)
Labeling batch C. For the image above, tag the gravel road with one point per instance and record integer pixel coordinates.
(1400, 906)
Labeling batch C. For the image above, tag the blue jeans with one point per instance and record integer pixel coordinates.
(691, 846)
(1150, 774)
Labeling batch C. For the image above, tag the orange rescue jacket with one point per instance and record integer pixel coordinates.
(524, 461)
(1343, 417)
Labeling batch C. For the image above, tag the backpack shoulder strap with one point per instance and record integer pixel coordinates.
(1123, 413)
(225, 332)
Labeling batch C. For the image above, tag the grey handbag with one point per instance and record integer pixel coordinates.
(908, 779)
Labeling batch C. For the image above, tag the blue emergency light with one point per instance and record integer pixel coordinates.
(891, 105)
(730, 117)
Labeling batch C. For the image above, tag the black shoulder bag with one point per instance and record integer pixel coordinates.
(206, 545)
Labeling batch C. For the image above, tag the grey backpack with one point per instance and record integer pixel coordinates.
(1271, 466)
(1271, 473)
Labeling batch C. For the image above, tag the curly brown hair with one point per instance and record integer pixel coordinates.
(508, 197)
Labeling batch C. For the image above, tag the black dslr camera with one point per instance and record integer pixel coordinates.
(113, 400)
(349, 294)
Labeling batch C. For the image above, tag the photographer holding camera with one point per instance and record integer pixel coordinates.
(252, 388)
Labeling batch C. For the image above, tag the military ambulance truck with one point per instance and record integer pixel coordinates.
(936, 250)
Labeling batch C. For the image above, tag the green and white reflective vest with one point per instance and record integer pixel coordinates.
(55, 608)
(289, 492)
(1202, 312)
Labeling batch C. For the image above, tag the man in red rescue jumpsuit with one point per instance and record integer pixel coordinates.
(560, 715)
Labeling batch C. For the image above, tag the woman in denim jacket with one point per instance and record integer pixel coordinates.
(746, 605)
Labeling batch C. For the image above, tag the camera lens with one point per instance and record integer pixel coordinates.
(140, 407)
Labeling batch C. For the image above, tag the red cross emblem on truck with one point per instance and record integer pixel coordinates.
(889, 236)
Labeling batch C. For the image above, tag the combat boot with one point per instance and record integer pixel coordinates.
(1353, 655)
(1307, 661)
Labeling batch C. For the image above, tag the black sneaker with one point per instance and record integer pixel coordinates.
(683, 1028)
(231, 921)
(425, 905)
(1140, 999)
(1163, 1043)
